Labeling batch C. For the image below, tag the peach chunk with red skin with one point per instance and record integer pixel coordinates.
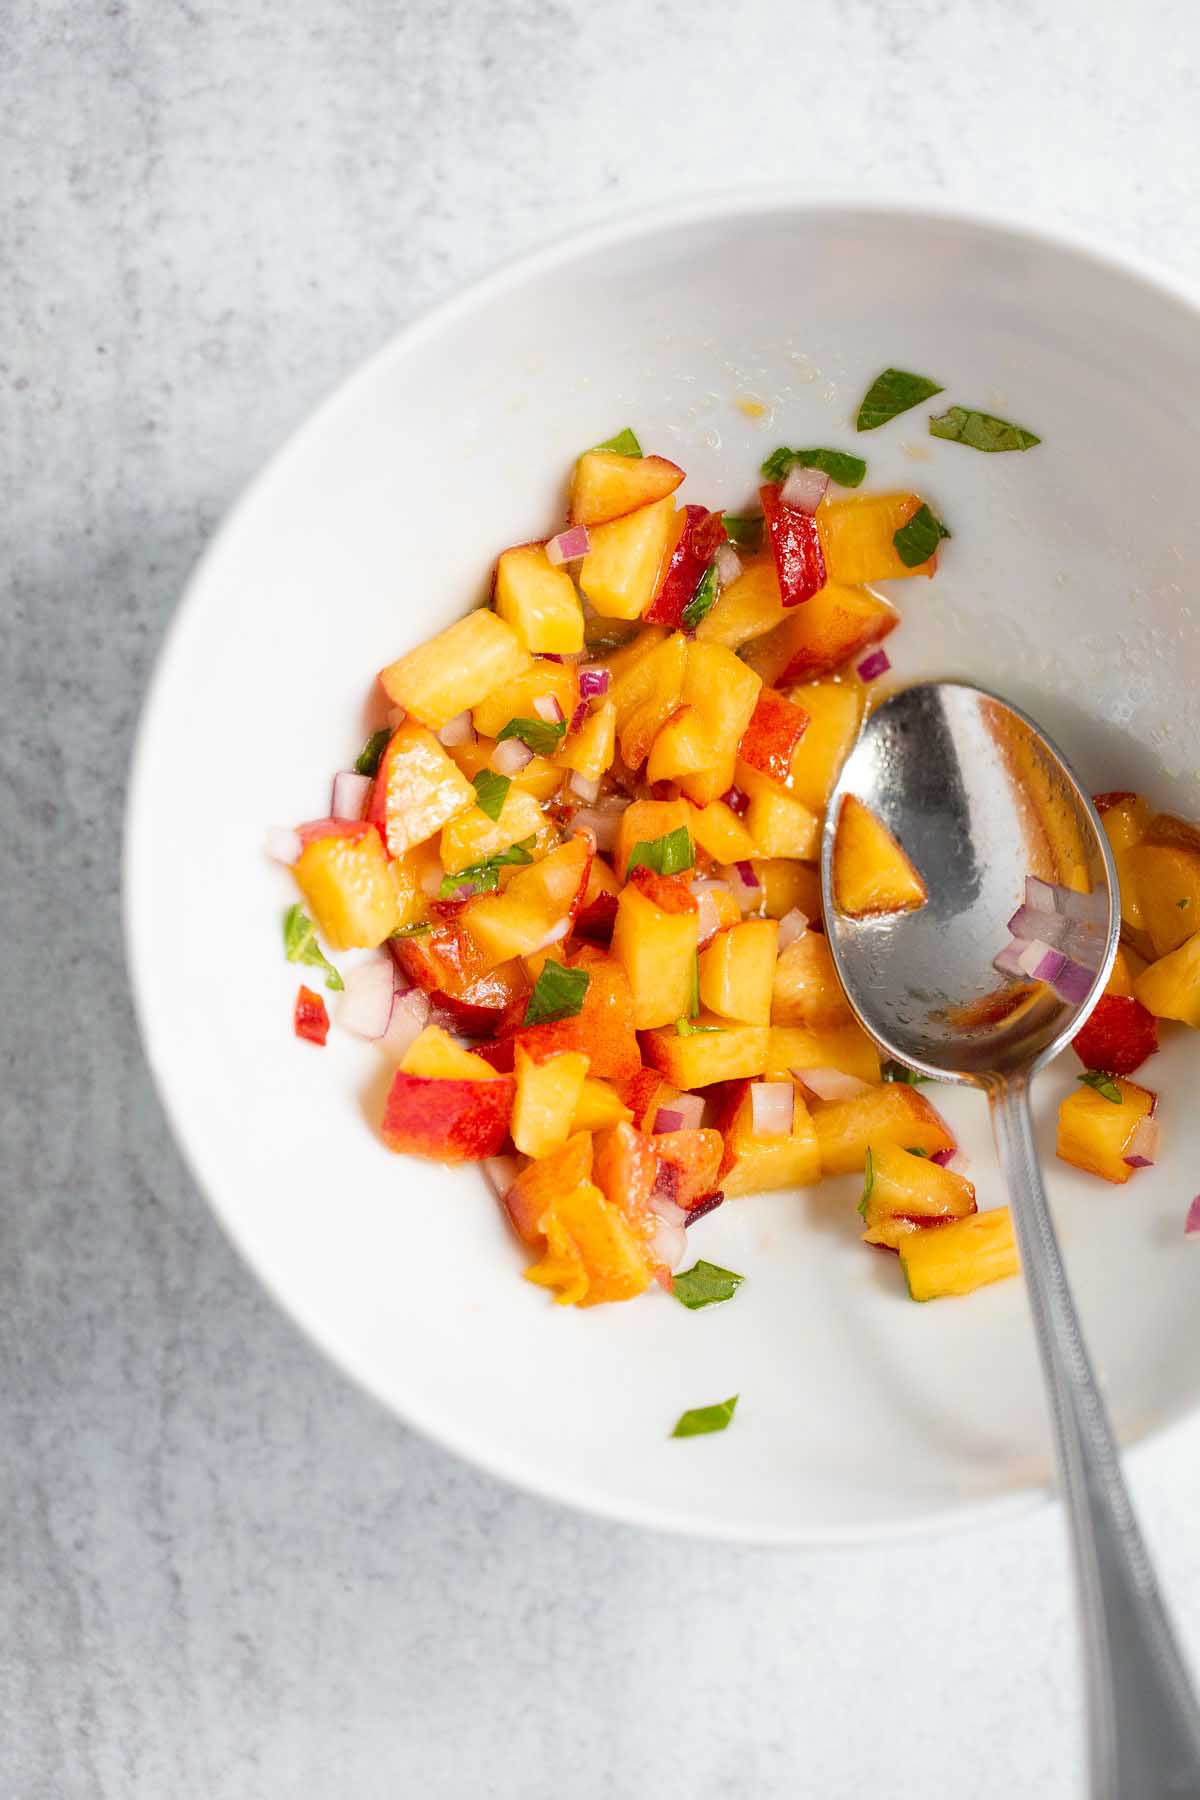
(447, 1119)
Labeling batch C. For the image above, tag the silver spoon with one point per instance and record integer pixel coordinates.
(980, 799)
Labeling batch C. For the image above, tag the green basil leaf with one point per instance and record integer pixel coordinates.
(539, 735)
(868, 1182)
(744, 529)
(485, 876)
(916, 1150)
(894, 1071)
(980, 430)
(700, 1420)
(558, 994)
(916, 542)
(694, 994)
(839, 465)
(1103, 1084)
(491, 791)
(1184, 903)
(407, 931)
(685, 1028)
(669, 855)
(892, 393)
(703, 600)
(625, 443)
(300, 945)
(706, 1284)
(367, 760)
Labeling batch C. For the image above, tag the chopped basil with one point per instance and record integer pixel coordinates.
(700, 1420)
(891, 394)
(916, 1150)
(744, 529)
(485, 876)
(1183, 904)
(491, 791)
(558, 994)
(705, 1285)
(839, 465)
(1103, 1084)
(694, 995)
(407, 931)
(868, 1182)
(300, 945)
(669, 855)
(894, 1071)
(685, 1028)
(367, 760)
(980, 430)
(625, 443)
(703, 600)
(539, 735)
(916, 542)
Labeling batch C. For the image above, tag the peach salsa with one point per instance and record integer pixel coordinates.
(581, 854)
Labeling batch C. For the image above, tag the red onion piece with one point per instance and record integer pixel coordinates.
(1191, 1224)
(686, 1112)
(708, 919)
(669, 1243)
(432, 878)
(943, 1158)
(350, 792)
(546, 707)
(568, 546)
(708, 1204)
(410, 1015)
(772, 1104)
(578, 717)
(1041, 961)
(831, 1084)
(1074, 982)
(878, 663)
(804, 489)
(510, 757)
(1076, 938)
(1142, 1150)
(555, 935)
(668, 1118)
(593, 683)
(729, 564)
(458, 730)
(587, 790)
(736, 801)
(792, 927)
(1009, 960)
(745, 874)
(365, 1004)
(601, 821)
(1089, 909)
(282, 844)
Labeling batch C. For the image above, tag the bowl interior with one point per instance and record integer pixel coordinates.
(1065, 587)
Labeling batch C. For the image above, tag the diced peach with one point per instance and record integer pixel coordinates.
(417, 789)
(536, 900)
(599, 1106)
(871, 873)
(655, 939)
(816, 639)
(1164, 869)
(1125, 817)
(593, 1253)
(436, 1055)
(590, 750)
(518, 697)
(452, 672)
(904, 1193)
(540, 777)
(446, 964)
(752, 1164)
(625, 557)
(717, 830)
(625, 658)
(625, 1169)
(688, 1162)
(737, 970)
(806, 988)
(602, 1029)
(780, 824)
(642, 822)
(723, 693)
(958, 1258)
(644, 1093)
(1127, 966)
(646, 695)
(679, 748)
(598, 910)
(539, 601)
(856, 537)
(694, 542)
(472, 836)
(703, 1057)
(845, 1047)
(787, 884)
(892, 1114)
(349, 886)
(606, 485)
(540, 1183)
(834, 710)
(1170, 987)
(547, 1094)
(749, 607)
(449, 1119)
(1094, 1131)
(776, 726)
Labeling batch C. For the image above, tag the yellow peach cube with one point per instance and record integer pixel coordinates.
(449, 673)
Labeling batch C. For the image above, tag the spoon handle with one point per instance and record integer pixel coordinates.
(1143, 1721)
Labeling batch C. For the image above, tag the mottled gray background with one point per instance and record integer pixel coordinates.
(225, 1574)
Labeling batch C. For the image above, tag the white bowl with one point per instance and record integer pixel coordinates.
(1066, 586)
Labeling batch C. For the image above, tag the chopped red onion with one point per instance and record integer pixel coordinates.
(1076, 938)
(602, 821)
(1074, 983)
(729, 564)
(568, 546)
(283, 845)
(669, 1242)
(831, 1084)
(432, 878)
(350, 792)
(687, 1110)
(708, 919)
(501, 1172)
(1142, 1150)
(1091, 908)
(804, 489)
(878, 663)
(792, 927)
(668, 1118)
(1009, 960)
(555, 935)
(1040, 961)
(365, 1003)
(736, 801)
(587, 790)
(458, 730)
(745, 874)
(1191, 1224)
(708, 1204)
(546, 707)
(410, 1015)
(510, 757)
(943, 1158)
(772, 1104)
(593, 683)
(578, 717)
